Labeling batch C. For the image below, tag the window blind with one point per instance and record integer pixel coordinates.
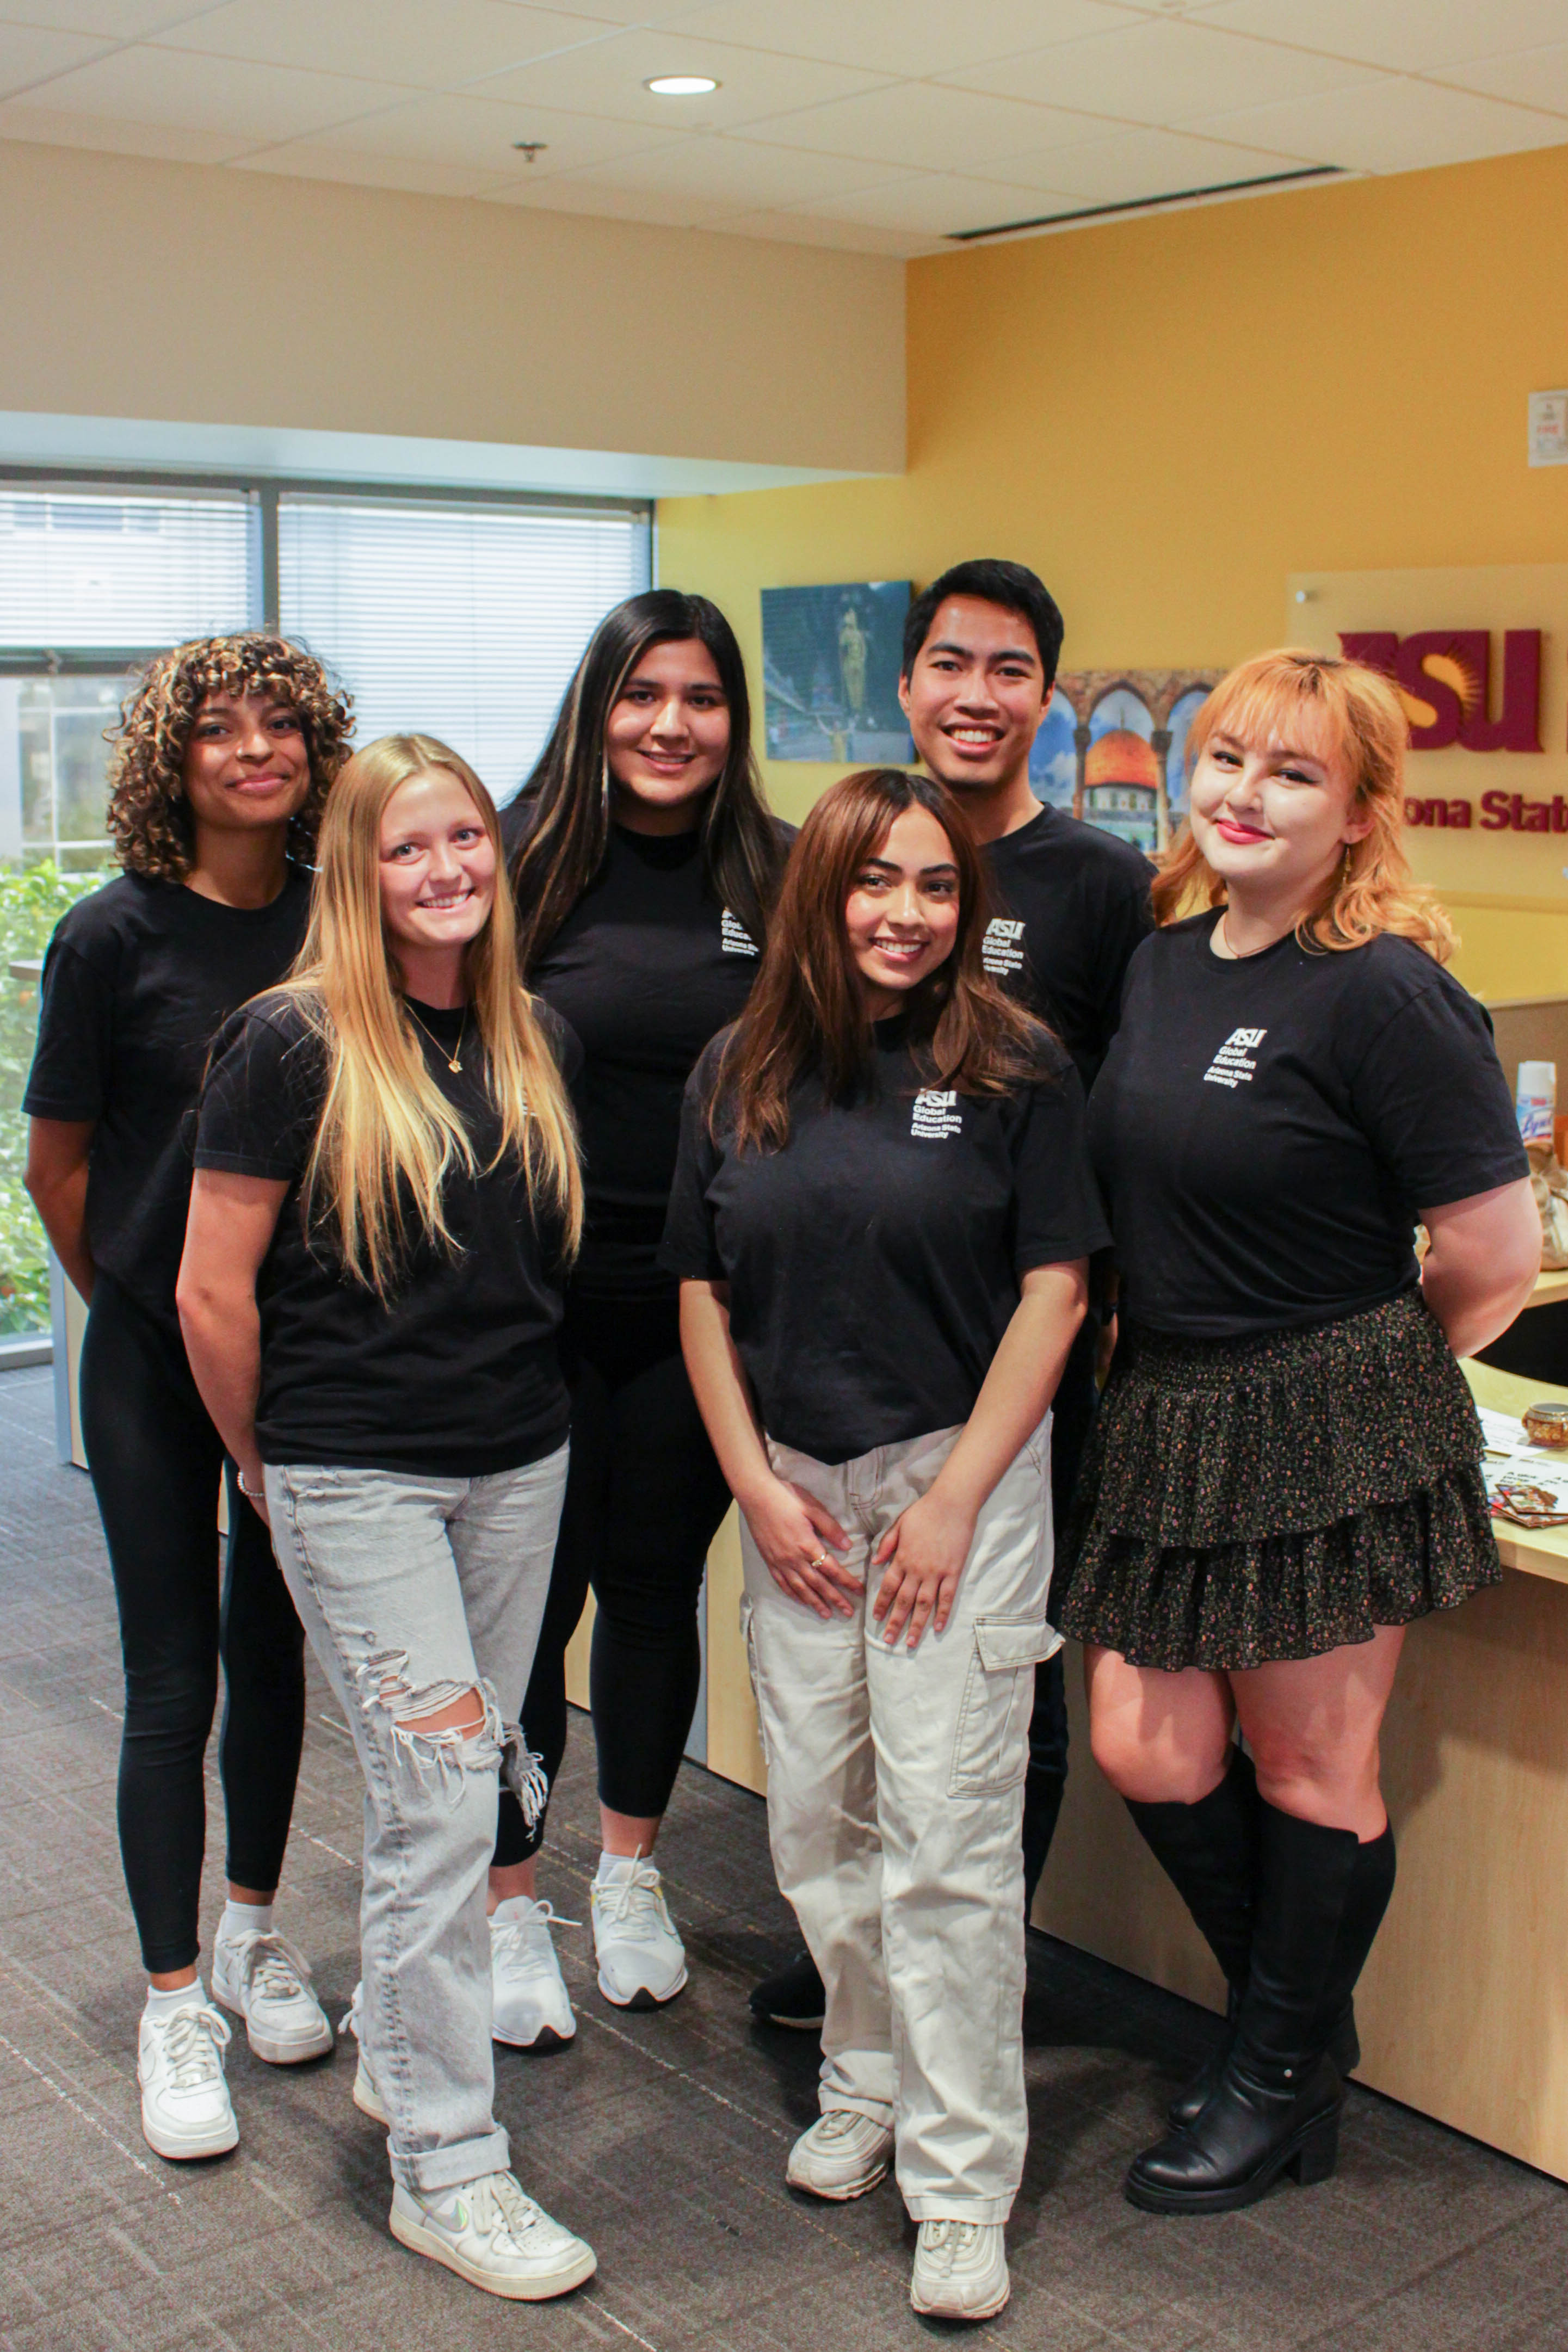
(464, 622)
(80, 569)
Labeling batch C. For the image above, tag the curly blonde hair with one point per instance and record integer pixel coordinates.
(1359, 717)
(149, 816)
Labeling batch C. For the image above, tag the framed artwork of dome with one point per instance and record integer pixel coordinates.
(1112, 749)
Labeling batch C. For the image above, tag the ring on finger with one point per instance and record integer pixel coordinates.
(818, 1559)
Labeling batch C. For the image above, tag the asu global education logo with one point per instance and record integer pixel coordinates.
(936, 1114)
(1002, 949)
(734, 939)
(1234, 1065)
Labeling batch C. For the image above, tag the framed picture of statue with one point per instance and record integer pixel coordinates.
(830, 672)
(1112, 749)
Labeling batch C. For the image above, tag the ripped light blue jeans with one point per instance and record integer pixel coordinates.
(414, 1590)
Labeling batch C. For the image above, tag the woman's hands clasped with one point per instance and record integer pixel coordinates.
(797, 1536)
(923, 1553)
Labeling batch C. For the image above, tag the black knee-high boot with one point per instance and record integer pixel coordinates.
(1209, 1853)
(1276, 2105)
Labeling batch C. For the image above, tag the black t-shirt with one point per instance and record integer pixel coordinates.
(1268, 1129)
(138, 980)
(457, 1377)
(1077, 904)
(873, 1264)
(647, 968)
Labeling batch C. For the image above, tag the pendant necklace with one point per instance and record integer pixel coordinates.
(452, 1059)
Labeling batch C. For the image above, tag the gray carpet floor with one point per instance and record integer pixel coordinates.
(662, 2138)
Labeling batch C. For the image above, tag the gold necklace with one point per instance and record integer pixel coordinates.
(452, 1062)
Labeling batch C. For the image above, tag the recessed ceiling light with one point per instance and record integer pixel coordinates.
(681, 85)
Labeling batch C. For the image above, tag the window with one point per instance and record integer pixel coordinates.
(464, 622)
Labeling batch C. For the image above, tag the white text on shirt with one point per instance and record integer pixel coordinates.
(1233, 1066)
(936, 1114)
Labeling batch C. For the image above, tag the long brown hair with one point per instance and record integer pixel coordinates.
(386, 1130)
(568, 794)
(1360, 719)
(806, 1011)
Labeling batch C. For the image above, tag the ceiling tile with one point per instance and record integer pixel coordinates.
(940, 203)
(927, 126)
(256, 102)
(1162, 72)
(1412, 36)
(29, 54)
(463, 132)
(47, 127)
(902, 36)
(608, 79)
(816, 228)
(1135, 164)
(1532, 77)
(309, 159)
(740, 173)
(1394, 125)
(431, 46)
(116, 20)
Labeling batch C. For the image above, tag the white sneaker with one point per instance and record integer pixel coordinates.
(493, 2236)
(961, 2270)
(267, 1980)
(185, 2106)
(642, 1960)
(842, 2156)
(366, 2098)
(530, 2008)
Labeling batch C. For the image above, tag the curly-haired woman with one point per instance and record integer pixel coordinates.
(221, 767)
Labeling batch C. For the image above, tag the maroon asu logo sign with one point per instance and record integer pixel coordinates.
(1444, 681)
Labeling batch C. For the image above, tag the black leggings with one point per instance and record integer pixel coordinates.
(155, 1461)
(644, 1498)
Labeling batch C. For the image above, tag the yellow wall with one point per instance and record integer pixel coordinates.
(1167, 417)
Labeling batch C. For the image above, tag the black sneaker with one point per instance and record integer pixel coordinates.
(791, 1997)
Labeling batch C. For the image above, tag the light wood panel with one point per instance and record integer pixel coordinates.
(734, 1745)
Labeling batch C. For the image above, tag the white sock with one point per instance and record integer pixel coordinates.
(163, 2005)
(614, 1867)
(245, 1919)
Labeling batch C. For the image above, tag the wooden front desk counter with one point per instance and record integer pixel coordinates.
(1463, 2009)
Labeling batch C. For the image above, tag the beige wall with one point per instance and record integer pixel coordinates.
(131, 289)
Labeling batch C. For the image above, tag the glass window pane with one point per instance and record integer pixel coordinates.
(82, 569)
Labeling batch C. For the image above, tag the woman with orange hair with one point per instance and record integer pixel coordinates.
(882, 1218)
(1286, 1471)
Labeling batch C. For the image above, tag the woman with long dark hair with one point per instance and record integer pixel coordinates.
(645, 864)
(1286, 1469)
(881, 1218)
(387, 1192)
(220, 769)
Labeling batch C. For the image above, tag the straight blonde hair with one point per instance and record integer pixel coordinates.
(386, 1131)
(1356, 715)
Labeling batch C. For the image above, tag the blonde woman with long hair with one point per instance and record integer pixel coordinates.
(386, 1201)
(1286, 1469)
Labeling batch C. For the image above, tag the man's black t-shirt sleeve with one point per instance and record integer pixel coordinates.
(69, 1076)
(1431, 1098)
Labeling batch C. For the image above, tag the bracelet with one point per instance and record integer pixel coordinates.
(251, 1493)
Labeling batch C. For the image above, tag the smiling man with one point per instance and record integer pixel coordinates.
(981, 647)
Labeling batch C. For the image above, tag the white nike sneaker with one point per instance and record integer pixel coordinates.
(366, 2098)
(186, 2107)
(493, 2236)
(961, 2270)
(642, 1960)
(530, 2008)
(266, 1979)
(844, 2155)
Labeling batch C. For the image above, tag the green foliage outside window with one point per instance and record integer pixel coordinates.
(32, 900)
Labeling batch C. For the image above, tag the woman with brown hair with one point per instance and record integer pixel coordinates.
(220, 771)
(1286, 1469)
(882, 1218)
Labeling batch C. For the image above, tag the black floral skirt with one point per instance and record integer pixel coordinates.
(1247, 1500)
